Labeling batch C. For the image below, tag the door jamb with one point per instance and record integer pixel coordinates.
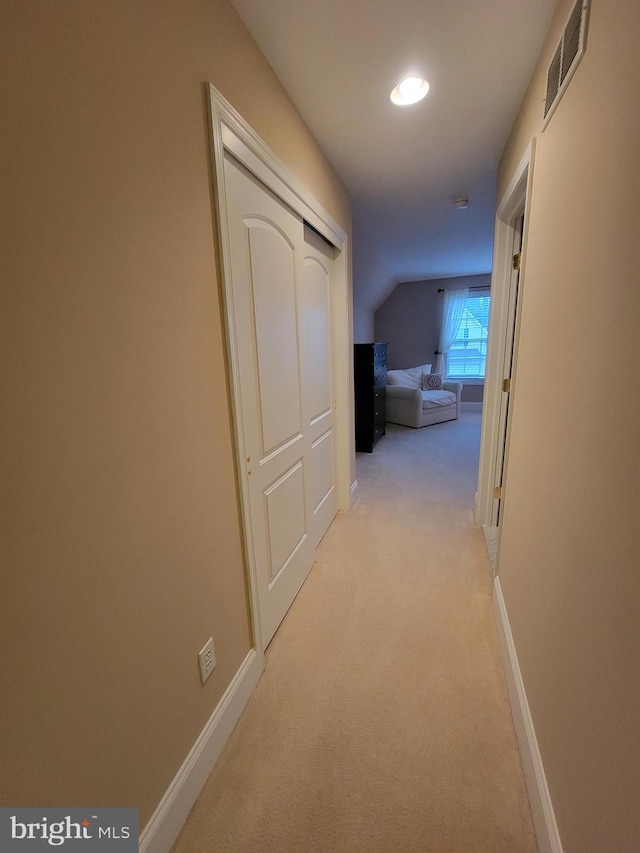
(516, 199)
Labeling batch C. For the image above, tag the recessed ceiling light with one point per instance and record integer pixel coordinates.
(410, 91)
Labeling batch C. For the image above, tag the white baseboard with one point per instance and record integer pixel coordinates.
(355, 493)
(168, 819)
(544, 820)
(470, 407)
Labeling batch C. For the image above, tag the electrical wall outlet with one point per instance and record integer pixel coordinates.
(207, 658)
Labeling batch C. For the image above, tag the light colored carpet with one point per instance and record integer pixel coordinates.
(491, 538)
(382, 722)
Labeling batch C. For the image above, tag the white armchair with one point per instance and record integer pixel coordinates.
(408, 404)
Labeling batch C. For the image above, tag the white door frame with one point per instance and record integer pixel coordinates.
(515, 200)
(229, 131)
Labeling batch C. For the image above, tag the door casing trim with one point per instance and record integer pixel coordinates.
(516, 199)
(230, 132)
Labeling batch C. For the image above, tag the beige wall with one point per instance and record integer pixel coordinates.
(121, 544)
(571, 533)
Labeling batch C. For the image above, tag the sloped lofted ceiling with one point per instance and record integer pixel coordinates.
(339, 60)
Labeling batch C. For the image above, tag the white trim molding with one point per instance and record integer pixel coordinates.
(542, 813)
(168, 819)
(233, 133)
(516, 199)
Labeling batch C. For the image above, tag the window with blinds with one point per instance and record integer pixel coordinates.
(468, 356)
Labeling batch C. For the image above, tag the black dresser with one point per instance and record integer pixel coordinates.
(370, 380)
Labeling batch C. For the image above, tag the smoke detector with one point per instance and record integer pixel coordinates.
(461, 203)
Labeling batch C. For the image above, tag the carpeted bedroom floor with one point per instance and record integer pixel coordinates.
(381, 723)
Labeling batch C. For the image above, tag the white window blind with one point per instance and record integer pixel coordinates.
(468, 355)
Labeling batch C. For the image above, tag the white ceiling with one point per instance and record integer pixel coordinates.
(339, 60)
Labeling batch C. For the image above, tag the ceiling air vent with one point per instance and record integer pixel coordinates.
(566, 58)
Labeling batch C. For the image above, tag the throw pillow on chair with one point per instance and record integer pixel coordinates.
(432, 382)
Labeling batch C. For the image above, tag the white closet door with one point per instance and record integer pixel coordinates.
(317, 385)
(272, 336)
